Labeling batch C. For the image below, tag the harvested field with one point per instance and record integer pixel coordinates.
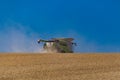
(59, 66)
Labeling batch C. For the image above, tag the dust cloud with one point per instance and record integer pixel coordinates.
(18, 38)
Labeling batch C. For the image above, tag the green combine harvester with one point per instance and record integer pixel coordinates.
(58, 45)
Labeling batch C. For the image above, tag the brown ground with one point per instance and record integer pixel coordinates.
(59, 66)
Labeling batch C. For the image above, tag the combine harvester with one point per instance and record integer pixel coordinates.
(58, 45)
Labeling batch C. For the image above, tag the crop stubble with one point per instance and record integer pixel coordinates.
(59, 66)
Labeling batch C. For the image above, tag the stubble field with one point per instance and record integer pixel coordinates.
(20, 66)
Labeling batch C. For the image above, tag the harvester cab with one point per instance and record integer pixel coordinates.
(58, 45)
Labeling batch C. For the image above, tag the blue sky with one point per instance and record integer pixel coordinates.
(95, 24)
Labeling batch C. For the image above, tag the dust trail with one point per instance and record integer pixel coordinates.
(18, 38)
